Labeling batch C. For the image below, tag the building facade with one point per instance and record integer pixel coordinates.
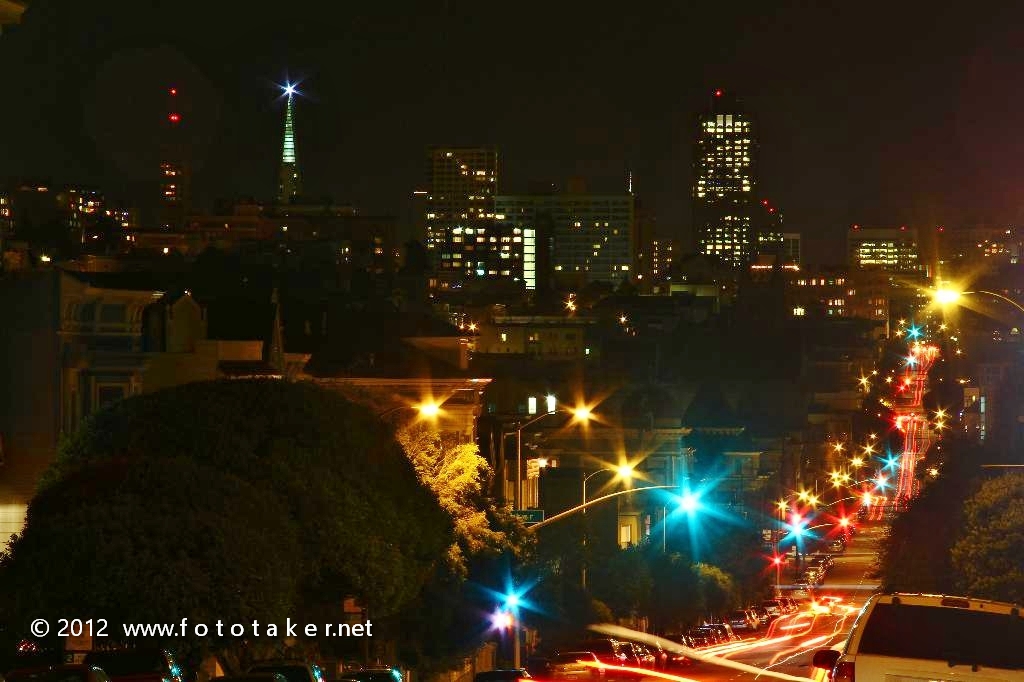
(975, 250)
(725, 207)
(791, 248)
(581, 237)
(82, 341)
(461, 236)
(895, 250)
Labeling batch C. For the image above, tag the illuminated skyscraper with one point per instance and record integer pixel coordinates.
(462, 239)
(725, 182)
(173, 168)
(289, 184)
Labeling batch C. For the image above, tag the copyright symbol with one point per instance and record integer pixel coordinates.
(39, 627)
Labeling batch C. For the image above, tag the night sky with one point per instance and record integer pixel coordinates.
(870, 113)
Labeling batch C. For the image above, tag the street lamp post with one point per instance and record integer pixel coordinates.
(580, 414)
(512, 604)
(944, 296)
(624, 472)
(517, 496)
(428, 409)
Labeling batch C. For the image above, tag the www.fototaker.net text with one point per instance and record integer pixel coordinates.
(252, 629)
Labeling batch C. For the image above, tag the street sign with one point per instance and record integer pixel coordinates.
(529, 516)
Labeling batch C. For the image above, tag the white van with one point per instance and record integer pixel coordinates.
(917, 637)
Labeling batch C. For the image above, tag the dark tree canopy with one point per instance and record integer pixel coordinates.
(990, 550)
(247, 499)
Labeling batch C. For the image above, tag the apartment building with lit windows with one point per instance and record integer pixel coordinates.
(974, 250)
(663, 253)
(896, 250)
(819, 292)
(581, 237)
(725, 205)
(462, 238)
(839, 292)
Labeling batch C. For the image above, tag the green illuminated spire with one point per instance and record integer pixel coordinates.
(289, 184)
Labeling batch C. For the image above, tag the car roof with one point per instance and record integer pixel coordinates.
(944, 600)
(46, 670)
(502, 674)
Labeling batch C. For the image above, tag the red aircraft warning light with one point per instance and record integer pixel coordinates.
(173, 91)
(718, 93)
(174, 118)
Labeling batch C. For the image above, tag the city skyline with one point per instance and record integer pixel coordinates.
(883, 136)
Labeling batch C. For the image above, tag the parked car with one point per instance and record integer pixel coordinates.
(724, 630)
(575, 665)
(254, 677)
(71, 672)
(293, 670)
(139, 664)
(613, 653)
(744, 620)
(708, 635)
(930, 637)
(773, 607)
(644, 656)
(500, 675)
(677, 659)
(660, 656)
(762, 615)
(393, 675)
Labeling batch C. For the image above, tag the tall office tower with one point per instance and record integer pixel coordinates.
(174, 180)
(592, 237)
(895, 250)
(725, 182)
(462, 238)
(289, 183)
